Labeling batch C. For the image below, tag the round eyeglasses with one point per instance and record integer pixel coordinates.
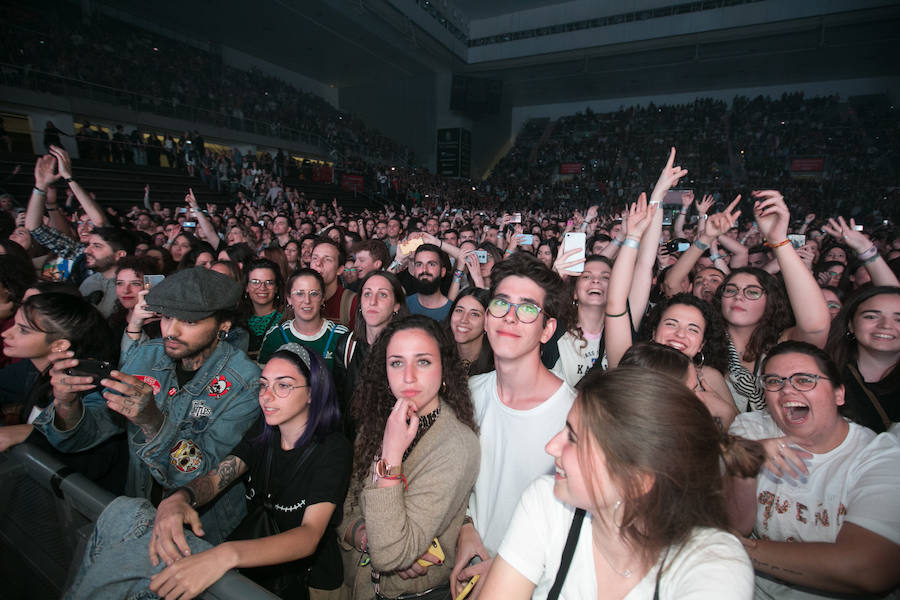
(802, 382)
(282, 389)
(751, 292)
(526, 312)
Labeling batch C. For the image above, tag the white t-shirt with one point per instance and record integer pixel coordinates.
(512, 452)
(712, 564)
(576, 357)
(857, 482)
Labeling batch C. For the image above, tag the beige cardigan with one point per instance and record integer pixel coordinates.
(400, 524)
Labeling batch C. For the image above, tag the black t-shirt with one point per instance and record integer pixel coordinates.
(324, 477)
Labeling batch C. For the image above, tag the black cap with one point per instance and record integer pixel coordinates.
(194, 294)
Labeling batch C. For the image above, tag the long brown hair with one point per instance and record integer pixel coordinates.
(372, 402)
(650, 427)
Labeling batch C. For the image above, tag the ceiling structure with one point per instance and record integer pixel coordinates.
(347, 43)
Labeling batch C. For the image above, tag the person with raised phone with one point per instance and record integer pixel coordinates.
(518, 408)
(186, 398)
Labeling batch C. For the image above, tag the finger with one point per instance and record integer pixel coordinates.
(429, 557)
(154, 556)
(182, 543)
(733, 204)
(671, 160)
(196, 524)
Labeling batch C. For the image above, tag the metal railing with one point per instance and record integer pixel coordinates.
(77, 493)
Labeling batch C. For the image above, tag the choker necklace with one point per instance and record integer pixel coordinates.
(425, 423)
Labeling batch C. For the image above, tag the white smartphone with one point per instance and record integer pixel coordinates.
(575, 240)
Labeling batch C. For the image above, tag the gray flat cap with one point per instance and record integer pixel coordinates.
(194, 294)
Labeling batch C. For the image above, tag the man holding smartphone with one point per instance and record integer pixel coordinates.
(186, 398)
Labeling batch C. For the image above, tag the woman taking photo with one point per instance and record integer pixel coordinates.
(306, 296)
(865, 344)
(55, 322)
(381, 299)
(299, 467)
(818, 513)
(130, 271)
(638, 485)
(262, 303)
(466, 323)
(416, 419)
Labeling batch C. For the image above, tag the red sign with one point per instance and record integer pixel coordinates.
(815, 164)
(570, 168)
(352, 183)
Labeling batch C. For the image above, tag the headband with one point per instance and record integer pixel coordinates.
(299, 351)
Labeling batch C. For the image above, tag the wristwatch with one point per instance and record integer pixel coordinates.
(384, 469)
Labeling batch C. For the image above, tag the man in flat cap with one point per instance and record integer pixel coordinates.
(186, 399)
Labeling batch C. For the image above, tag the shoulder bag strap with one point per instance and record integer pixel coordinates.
(884, 418)
(283, 334)
(568, 553)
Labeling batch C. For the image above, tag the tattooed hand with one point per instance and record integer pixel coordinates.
(132, 398)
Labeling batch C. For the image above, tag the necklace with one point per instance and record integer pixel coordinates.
(425, 423)
(626, 573)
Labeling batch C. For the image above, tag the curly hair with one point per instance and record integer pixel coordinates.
(574, 328)
(714, 351)
(373, 400)
(776, 317)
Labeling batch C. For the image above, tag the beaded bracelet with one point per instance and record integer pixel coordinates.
(400, 477)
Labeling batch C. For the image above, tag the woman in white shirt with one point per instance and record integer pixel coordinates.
(640, 455)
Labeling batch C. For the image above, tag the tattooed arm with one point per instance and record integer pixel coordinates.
(168, 542)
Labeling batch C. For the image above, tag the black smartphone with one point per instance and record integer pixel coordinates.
(90, 367)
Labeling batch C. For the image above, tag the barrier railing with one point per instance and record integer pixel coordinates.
(78, 493)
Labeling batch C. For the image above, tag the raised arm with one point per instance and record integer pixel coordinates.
(740, 255)
(617, 326)
(687, 198)
(205, 225)
(44, 177)
(808, 303)
(865, 250)
(91, 207)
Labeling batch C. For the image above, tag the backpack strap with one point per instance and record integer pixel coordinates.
(346, 304)
(568, 553)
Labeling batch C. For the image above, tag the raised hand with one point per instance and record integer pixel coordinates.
(687, 198)
(669, 176)
(64, 163)
(720, 223)
(772, 215)
(841, 230)
(402, 424)
(639, 217)
(704, 205)
(45, 172)
(132, 398)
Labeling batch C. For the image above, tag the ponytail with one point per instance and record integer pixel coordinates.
(742, 457)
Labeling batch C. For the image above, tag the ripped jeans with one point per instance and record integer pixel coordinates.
(116, 563)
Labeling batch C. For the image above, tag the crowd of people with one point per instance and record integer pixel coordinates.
(434, 399)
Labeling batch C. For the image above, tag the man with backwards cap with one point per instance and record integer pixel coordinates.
(186, 399)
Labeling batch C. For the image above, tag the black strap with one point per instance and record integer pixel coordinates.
(568, 552)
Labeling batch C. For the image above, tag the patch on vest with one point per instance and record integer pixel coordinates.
(186, 456)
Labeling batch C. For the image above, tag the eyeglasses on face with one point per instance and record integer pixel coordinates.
(802, 382)
(313, 294)
(751, 292)
(526, 312)
(269, 283)
(282, 389)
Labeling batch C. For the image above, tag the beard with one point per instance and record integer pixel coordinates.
(100, 264)
(186, 350)
(427, 286)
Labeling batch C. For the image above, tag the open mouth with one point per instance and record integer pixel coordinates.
(796, 413)
(677, 345)
(560, 472)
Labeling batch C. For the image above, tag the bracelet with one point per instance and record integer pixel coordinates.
(702, 246)
(715, 257)
(778, 245)
(704, 217)
(138, 332)
(621, 314)
(618, 243)
(394, 265)
(353, 530)
(656, 202)
(508, 251)
(192, 497)
(400, 477)
(631, 243)
(52, 207)
(872, 259)
(457, 274)
(39, 191)
(68, 179)
(683, 211)
(867, 253)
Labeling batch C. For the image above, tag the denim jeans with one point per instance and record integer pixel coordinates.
(116, 563)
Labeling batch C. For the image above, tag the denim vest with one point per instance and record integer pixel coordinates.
(203, 422)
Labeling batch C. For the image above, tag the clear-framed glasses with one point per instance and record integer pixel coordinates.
(269, 283)
(282, 389)
(313, 294)
(802, 382)
(526, 312)
(751, 292)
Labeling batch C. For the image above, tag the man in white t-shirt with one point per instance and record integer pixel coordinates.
(518, 408)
